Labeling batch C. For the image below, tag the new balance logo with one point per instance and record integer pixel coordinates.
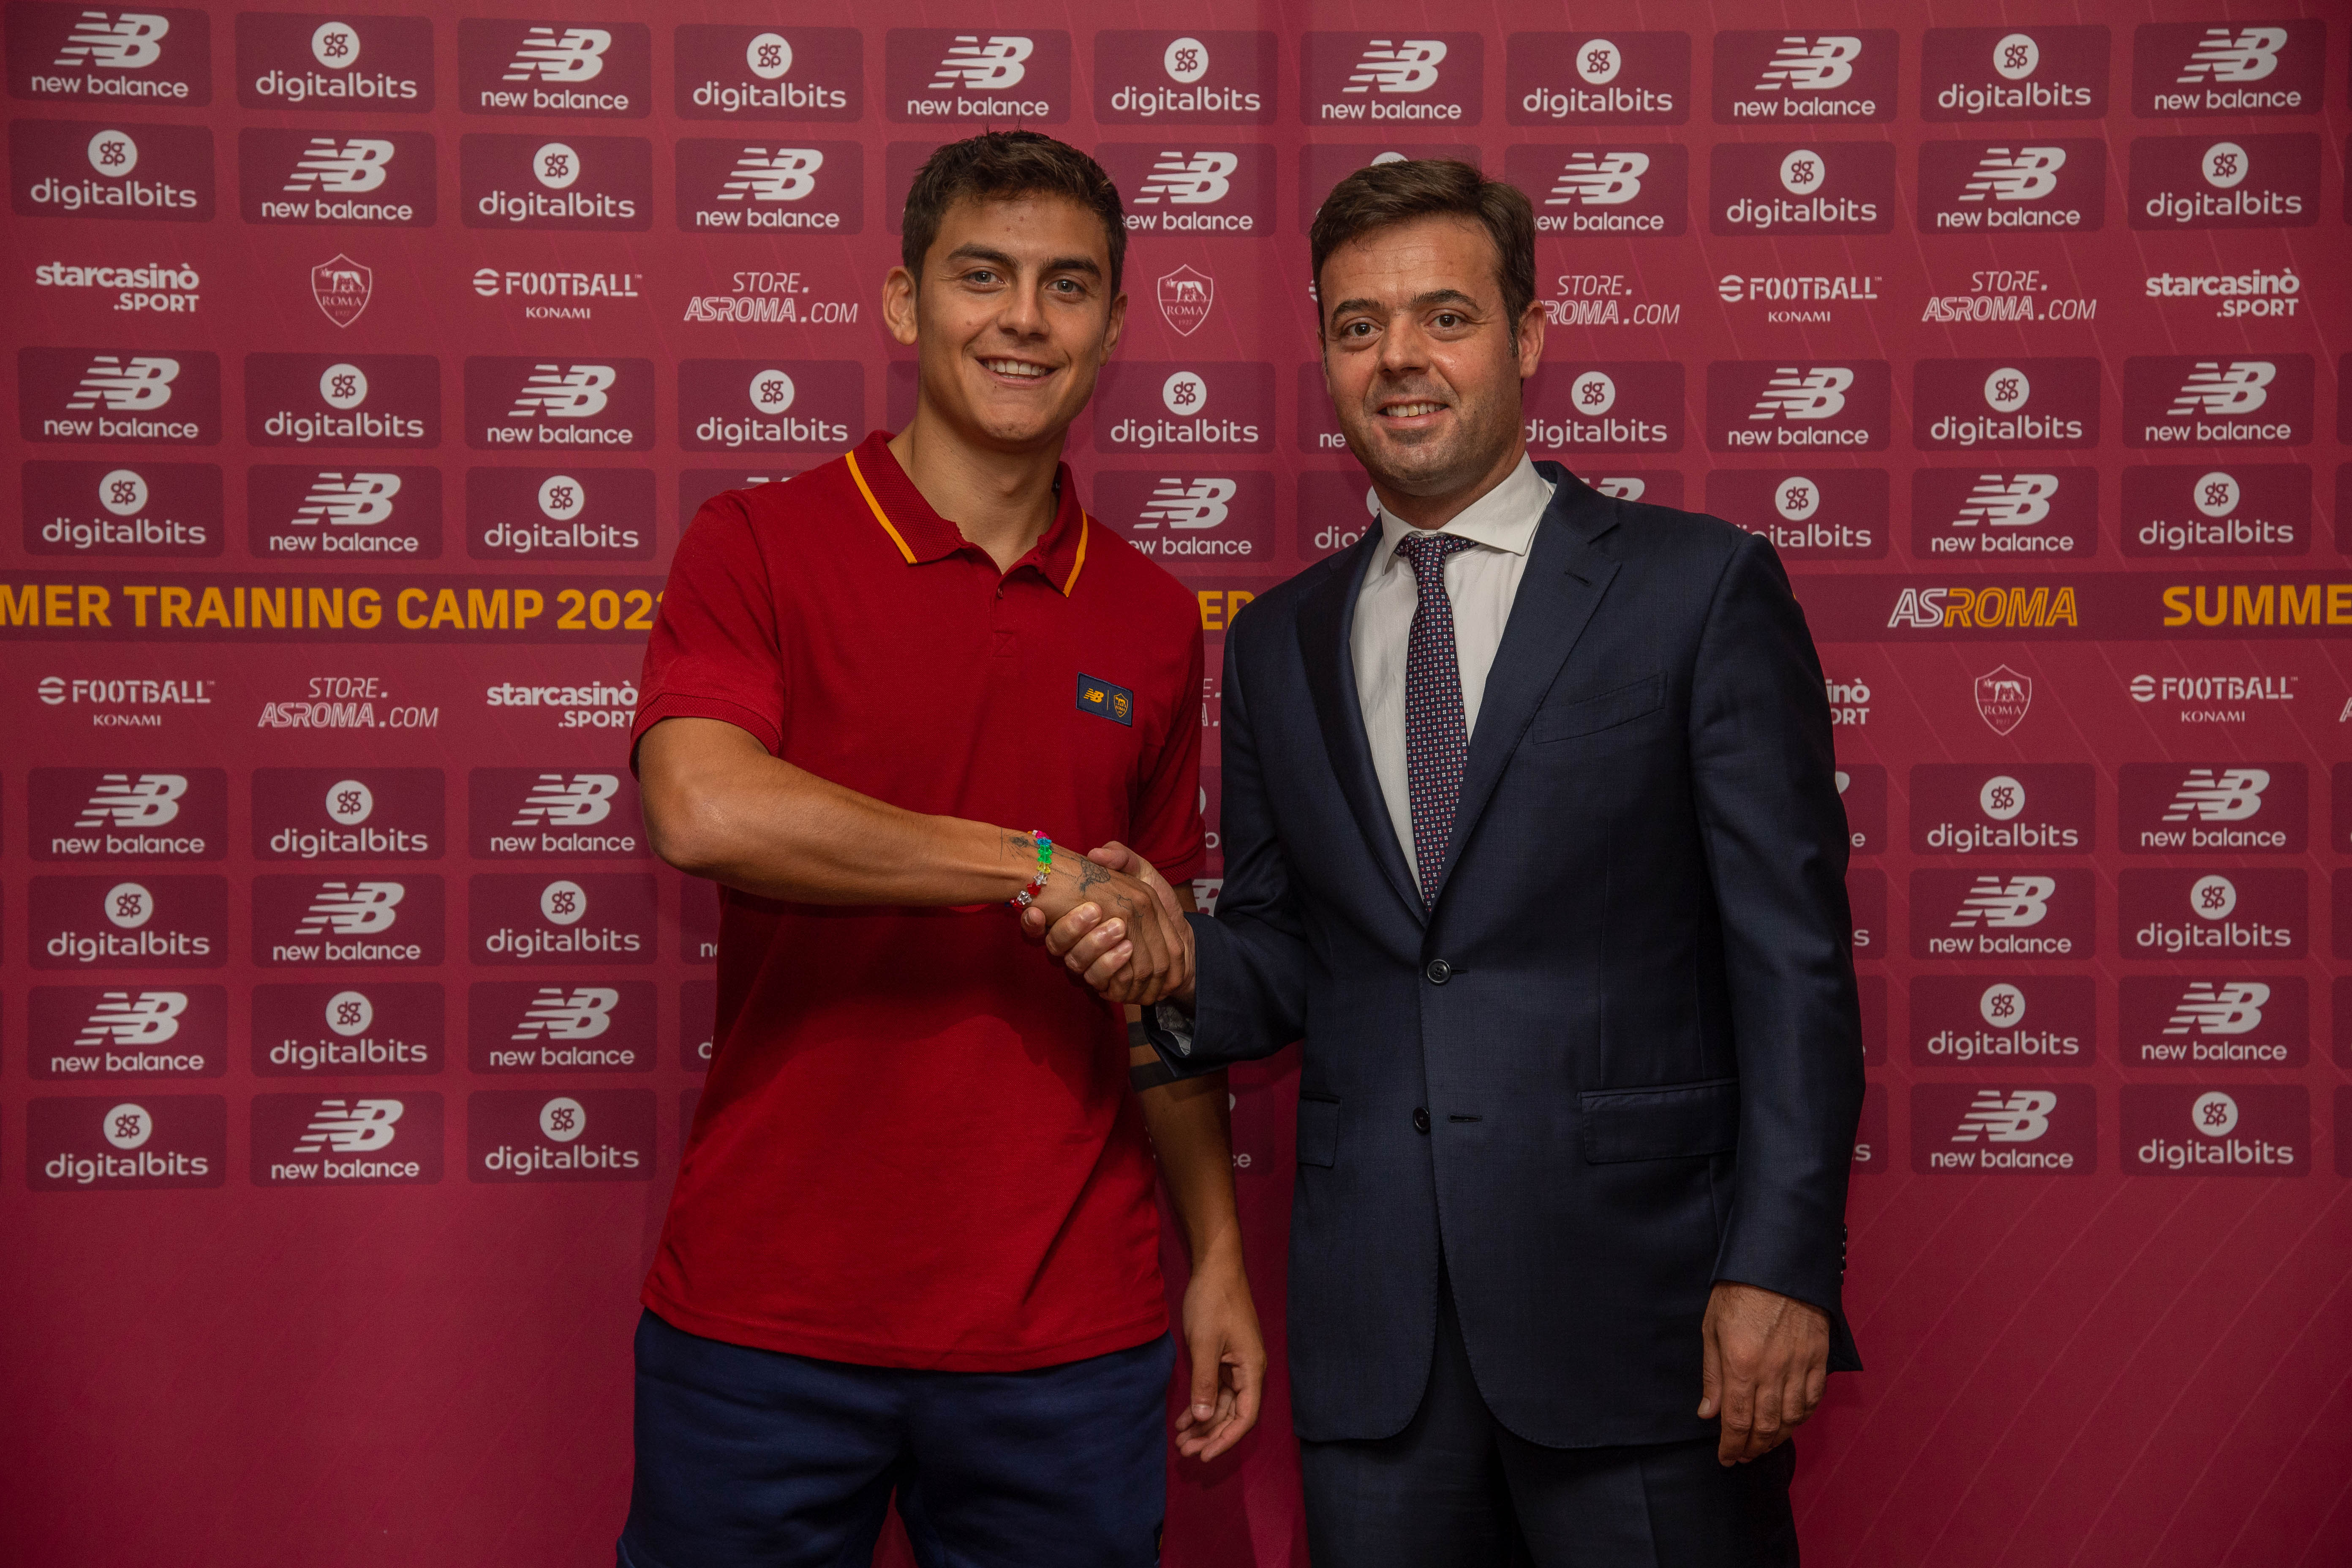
(361, 500)
(1811, 64)
(1793, 394)
(349, 908)
(125, 387)
(577, 392)
(2007, 500)
(2246, 53)
(582, 1014)
(1407, 67)
(148, 1018)
(355, 163)
(2234, 796)
(989, 66)
(2027, 175)
(786, 174)
(1204, 503)
(1600, 179)
(573, 800)
(2210, 389)
(1189, 181)
(2019, 902)
(576, 57)
(2234, 1009)
(120, 801)
(2017, 1118)
(133, 39)
(349, 1126)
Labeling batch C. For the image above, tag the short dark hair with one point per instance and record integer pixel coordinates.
(999, 164)
(1379, 195)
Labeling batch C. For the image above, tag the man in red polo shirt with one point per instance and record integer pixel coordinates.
(914, 1246)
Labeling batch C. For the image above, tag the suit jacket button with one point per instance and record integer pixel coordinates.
(1420, 1119)
(1439, 972)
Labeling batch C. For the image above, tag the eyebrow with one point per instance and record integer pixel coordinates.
(1435, 297)
(1084, 264)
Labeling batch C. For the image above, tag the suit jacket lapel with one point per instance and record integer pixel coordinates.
(1562, 585)
(1326, 615)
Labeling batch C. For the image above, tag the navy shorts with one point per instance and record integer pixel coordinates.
(750, 1457)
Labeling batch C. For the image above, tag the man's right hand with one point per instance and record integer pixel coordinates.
(1116, 925)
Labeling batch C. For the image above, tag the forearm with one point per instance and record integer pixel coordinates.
(1191, 1131)
(717, 806)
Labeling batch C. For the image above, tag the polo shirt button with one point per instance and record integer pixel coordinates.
(1420, 1119)
(1439, 972)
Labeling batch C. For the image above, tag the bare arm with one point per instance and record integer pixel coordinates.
(1191, 1129)
(717, 806)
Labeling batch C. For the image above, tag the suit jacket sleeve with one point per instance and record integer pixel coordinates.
(1775, 837)
(1252, 960)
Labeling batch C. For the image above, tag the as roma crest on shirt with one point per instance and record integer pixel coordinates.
(2002, 698)
(343, 288)
(1185, 297)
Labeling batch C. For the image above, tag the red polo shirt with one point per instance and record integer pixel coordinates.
(917, 1146)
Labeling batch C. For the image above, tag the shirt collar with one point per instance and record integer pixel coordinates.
(1505, 518)
(922, 535)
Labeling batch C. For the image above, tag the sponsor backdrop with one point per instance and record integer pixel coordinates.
(366, 368)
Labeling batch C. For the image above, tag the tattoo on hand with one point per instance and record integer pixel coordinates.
(1091, 875)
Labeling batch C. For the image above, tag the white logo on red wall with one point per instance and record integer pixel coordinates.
(60, 168)
(2205, 69)
(122, 384)
(2193, 809)
(1817, 76)
(577, 54)
(99, 1142)
(1185, 297)
(2244, 1129)
(1624, 78)
(1964, 1130)
(124, 40)
(586, 1135)
(2181, 401)
(2002, 914)
(342, 288)
(1391, 77)
(2183, 913)
(995, 63)
(2013, 73)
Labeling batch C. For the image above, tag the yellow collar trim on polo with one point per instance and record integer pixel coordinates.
(1076, 567)
(1080, 563)
(879, 515)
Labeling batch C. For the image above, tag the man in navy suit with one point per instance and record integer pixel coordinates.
(1532, 835)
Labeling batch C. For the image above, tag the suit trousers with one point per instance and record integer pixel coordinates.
(1458, 1489)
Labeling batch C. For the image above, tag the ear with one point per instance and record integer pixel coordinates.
(899, 305)
(1531, 338)
(1114, 325)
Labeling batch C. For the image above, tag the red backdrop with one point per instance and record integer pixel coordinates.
(367, 367)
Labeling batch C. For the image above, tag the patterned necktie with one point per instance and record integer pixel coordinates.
(1435, 739)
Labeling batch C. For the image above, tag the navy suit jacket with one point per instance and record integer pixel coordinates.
(1621, 1058)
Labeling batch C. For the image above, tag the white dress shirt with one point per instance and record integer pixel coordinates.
(1481, 583)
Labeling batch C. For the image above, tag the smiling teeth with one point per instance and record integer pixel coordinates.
(1411, 410)
(1013, 367)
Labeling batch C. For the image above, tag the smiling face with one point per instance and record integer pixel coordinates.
(1014, 317)
(1420, 361)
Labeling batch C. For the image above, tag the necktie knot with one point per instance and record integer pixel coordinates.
(1428, 552)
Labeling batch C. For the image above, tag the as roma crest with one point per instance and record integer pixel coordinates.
(1185, 297)
(343, 288)
(2002, 698)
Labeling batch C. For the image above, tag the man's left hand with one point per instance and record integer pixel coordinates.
(1228, 1360)
(1766, 1360)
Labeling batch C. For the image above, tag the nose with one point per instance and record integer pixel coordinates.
(1024, 315)
(1403, 347)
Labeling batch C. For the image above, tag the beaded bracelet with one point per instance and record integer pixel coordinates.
(1028, 895)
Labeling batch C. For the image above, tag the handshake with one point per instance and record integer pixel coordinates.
(1117, 924)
